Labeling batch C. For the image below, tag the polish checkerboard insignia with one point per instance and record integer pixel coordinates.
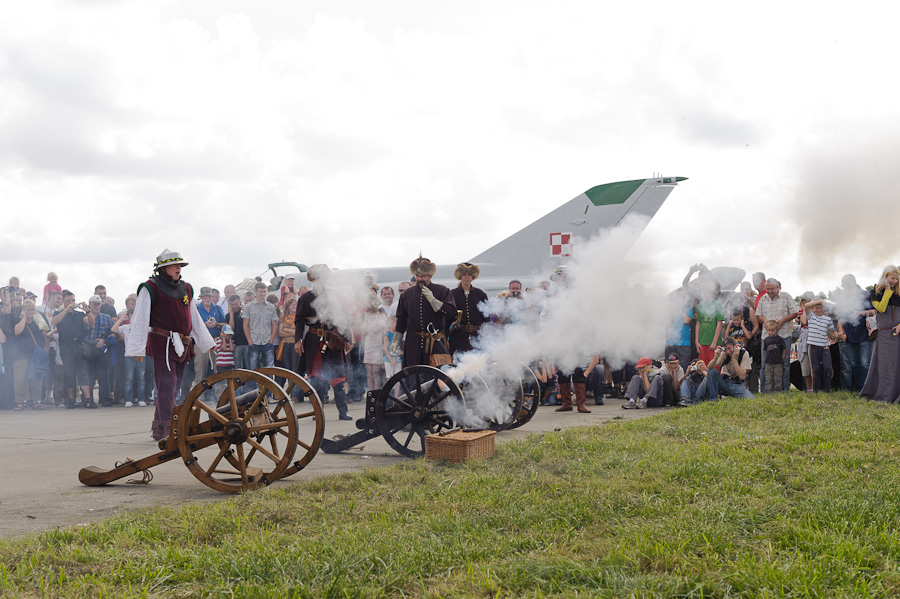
(560, 244)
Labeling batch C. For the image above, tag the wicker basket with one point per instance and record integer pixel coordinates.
(459, 446)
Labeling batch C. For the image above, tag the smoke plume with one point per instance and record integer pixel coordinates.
(596, 311)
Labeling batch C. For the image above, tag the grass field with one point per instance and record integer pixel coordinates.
(785, 496)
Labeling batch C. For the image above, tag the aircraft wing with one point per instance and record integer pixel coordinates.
(549, 240)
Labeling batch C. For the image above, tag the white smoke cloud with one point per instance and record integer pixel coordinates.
(844, 204)
(341, 300)
(597, 312)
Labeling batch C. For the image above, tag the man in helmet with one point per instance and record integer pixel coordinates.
(166, 323)
(424, 313)
(323, 347)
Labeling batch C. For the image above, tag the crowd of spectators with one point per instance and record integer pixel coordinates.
(56, 351)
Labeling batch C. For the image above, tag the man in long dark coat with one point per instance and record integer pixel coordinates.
(421, 305)
(466, 297)
(322, 348)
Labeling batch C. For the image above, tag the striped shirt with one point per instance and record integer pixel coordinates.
(225, 357)
(818, 329)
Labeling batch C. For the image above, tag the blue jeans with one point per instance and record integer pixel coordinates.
(240, 356)
(134, 373)
(855, 358)
(691, 392)
(718, 385)
(260, 353)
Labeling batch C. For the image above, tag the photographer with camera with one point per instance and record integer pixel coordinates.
(734, 363)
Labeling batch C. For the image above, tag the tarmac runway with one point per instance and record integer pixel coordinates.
(44, 450)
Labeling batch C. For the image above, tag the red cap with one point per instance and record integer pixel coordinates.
(645, 361)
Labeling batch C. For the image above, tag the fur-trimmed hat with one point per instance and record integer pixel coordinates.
(318, 272)
(465, 268)
(422, 266)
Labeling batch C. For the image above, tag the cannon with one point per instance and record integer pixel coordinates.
(253, 437)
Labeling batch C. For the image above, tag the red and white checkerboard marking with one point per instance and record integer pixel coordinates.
(560, 244)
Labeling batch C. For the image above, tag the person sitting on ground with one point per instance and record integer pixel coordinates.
(774, 347)
(671, 374)
(655, 388)
(639, 385)
(544, 374)
(734, 363)
(694, 384)
(821, 331)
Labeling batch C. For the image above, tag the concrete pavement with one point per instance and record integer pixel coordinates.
(44, 450)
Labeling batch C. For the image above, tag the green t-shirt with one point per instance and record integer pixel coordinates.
(709, 314)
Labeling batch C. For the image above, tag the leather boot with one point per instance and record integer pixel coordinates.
(565, 393)
(580, 398)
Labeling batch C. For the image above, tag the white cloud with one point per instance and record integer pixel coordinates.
(359, 134)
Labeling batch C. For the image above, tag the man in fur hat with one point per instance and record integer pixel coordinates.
(466, 297)
(323, 347)
(421, 305)
(166, 322)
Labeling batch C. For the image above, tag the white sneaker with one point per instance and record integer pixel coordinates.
(128, 404)
(142, 404)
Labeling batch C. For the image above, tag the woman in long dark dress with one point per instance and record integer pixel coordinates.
(883, 381)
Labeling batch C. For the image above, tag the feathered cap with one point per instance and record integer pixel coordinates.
(168, 258)
(422, 266)
(318, 272)
(464, 268)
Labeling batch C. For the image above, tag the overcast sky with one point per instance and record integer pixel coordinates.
(359, 133)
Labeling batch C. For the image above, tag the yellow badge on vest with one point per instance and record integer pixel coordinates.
(185, 300)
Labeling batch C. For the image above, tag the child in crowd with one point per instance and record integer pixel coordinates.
(373, 327)
(225, 349)
(737, 329)
(51, 286)
(821, 331)
(774, 348)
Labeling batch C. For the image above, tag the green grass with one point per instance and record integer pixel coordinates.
(786, 496)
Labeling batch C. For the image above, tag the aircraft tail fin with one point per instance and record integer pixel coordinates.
(549, 240)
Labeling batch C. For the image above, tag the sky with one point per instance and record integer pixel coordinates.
(359, 133)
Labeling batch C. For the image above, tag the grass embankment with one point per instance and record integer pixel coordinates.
(785, 496)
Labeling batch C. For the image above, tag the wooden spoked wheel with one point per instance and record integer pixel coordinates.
(530, 400)
(421, 405)
(251, 434)
(492, 401)
(310, 417)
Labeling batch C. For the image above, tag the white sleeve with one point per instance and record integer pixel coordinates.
(136, 344)
(199, 332)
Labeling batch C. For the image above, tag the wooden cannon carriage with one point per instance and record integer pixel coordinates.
(253, 437)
